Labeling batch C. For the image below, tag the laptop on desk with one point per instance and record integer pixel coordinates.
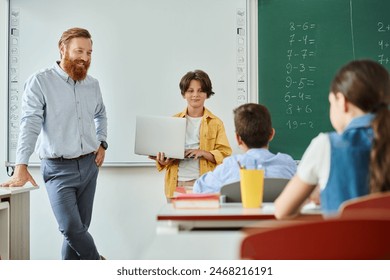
(154, 134)
(272, 188)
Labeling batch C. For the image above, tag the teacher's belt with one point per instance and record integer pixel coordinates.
(68, 159)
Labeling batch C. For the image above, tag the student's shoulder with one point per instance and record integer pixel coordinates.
(180, 114)
(213, 118)
(318, 148)
(285, 157)
(209, 114)
(233, 160)
(321, 139)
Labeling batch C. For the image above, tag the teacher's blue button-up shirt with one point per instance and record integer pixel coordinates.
(69, 117)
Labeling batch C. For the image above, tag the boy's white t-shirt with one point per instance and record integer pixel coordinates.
(188, 167)
(314, 167)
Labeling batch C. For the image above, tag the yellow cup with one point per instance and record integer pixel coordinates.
(252, 186)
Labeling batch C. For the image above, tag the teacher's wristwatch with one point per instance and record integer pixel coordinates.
(104, 145)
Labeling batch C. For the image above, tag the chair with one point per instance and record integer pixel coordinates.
(367, 205)
(379, 200)
(334, 239)
(272, 188)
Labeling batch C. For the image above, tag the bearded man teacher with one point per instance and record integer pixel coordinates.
(64, 117)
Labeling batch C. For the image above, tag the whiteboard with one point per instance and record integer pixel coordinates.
(141, 49)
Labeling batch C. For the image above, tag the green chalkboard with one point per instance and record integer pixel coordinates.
(301, 45)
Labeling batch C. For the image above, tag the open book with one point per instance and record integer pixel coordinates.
(196, 201)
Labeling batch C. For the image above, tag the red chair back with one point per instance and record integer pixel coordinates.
(371, 201)
(333, 239)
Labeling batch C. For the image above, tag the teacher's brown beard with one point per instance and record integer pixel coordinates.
(75, 71)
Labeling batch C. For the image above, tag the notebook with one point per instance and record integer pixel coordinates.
(196, 201)
(154, 134)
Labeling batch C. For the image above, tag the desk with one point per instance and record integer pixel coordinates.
(4, 230)
(228, 216)
(19, 220)
(211, 234)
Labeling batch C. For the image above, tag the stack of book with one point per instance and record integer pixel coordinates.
(196, 201)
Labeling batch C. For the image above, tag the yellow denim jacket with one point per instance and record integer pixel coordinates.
(212, 138)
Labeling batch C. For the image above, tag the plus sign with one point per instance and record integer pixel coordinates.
(381, 59)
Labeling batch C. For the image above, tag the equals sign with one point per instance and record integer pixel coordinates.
(310, 82)
(312, 41)
(312, 68)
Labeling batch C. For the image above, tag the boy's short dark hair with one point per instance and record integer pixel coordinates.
(200, 76)
(253, 124)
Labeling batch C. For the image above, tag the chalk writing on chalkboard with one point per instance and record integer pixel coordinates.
(383, 42)
(300, 65)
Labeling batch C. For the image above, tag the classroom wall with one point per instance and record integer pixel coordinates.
(126, 203)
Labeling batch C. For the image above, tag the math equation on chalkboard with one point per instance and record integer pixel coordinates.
(383, 42)
(300, 68)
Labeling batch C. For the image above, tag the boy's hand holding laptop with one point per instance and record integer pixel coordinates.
(162, 159)
(193, 153)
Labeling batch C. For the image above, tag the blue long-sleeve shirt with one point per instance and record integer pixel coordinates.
(275, 166)
(69, 117)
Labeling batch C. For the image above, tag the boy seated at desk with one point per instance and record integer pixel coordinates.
(253, 133)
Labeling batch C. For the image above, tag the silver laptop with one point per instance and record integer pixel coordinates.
(272, 189)
(154, 134)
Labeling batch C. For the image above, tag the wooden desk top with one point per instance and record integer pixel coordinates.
(227, 211)
(8, 191)
(3, 192)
